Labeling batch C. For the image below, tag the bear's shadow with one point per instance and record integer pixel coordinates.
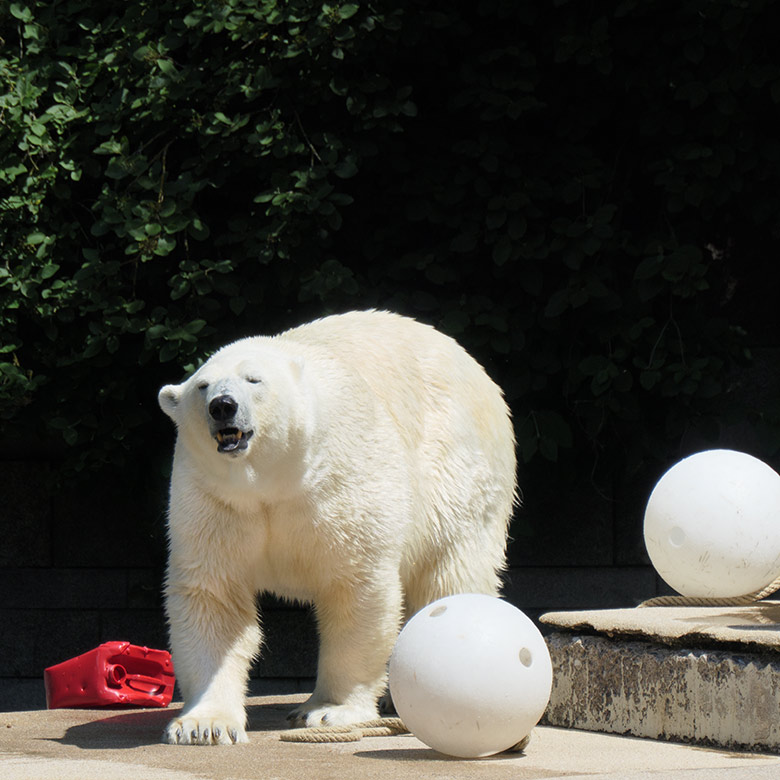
(132, 729)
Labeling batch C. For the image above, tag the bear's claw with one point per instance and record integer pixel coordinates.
(203, 731)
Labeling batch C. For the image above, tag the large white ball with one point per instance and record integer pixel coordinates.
(470, 675)
(712, 525)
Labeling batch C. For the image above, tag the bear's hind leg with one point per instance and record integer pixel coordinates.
(469, 508)
(450, 574)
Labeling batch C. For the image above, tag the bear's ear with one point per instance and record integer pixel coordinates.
(168, 398)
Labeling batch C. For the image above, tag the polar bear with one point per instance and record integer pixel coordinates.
(363, 463)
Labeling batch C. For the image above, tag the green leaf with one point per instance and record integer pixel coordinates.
(167, 67)
(117, 168)
(168, 352)
(164, 246)
(93, 348)
(195, 326)
(346, 168)
(198, 230)
(348, 10)
(21, 12)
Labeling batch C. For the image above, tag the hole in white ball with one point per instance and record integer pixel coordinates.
(676, 537)
(438, 612)
(526, 657)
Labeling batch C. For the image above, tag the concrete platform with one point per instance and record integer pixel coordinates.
(756, 627)
(701, 675)
(122, 744)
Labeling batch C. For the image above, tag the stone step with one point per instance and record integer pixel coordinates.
(692, 674)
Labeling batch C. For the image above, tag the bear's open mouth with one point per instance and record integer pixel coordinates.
(232, 439)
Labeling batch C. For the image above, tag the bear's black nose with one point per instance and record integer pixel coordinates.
(223, 407)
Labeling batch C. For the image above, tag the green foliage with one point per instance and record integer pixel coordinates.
(573, 194)
(170, 179)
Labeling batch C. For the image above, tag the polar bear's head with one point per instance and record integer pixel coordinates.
(241, 395)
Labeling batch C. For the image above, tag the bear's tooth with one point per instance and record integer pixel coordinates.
(239, 434)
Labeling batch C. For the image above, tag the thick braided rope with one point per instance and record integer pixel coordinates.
(692, 601)
(381, 727)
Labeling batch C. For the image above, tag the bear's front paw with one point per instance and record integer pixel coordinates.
(324, 714)
(213, 729)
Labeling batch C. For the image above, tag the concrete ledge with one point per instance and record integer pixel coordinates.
(715, 683)
(756, 627)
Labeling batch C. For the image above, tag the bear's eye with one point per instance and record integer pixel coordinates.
(253, 380)
(203, 386)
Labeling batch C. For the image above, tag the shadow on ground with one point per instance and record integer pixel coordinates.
(426, 754)
(131, 729)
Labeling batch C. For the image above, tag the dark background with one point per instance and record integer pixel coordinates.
(586, 198)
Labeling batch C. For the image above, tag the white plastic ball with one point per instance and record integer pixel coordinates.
(470, 675)
(712, 525)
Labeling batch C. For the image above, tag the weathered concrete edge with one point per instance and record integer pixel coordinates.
(646, 689)
(746, 627)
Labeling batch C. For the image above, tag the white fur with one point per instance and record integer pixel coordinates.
(380, 476)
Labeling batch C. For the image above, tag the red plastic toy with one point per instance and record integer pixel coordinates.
(113, 674)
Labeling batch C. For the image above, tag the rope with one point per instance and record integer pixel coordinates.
(381, 727)
(694, 601)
